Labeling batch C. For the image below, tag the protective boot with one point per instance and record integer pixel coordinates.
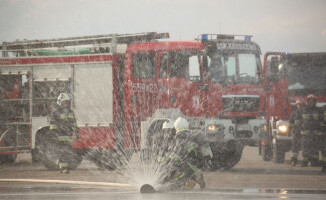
(294, 161)
(201, 182)
(64, 169)
(323, 169)
(190, 185)
(304, 163)
(314, 161)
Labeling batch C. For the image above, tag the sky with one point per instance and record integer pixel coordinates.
(276, 25)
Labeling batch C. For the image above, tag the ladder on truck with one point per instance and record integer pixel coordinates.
(108, 42)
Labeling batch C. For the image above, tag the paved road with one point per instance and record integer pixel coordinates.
(250, 176)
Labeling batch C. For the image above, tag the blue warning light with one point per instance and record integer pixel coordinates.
(204, 37)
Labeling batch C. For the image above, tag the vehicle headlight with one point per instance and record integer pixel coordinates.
(283, 128)
(212, 128)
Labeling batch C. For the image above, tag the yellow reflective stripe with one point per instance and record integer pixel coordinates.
(305, 116)
(297, 122)
(67, 117)
(192, 148)
(181, 129)
(309, 132)
(193, 168)
(64, 140)
(305, 132)
(63, 165)
(294, 155)
(324, 159)
(53, 127)
(160, 159)
(181, 176)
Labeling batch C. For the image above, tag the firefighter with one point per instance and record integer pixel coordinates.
(62, 126)
(169, 135)
(295, 128)
(187, 153)
(168, 142)
(311, 127)
(322, 141)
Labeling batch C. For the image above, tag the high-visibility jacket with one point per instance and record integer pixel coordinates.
(295, 122)
(63, 121)
(312, 121)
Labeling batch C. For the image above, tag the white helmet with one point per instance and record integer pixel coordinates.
(181, 124)
(168, 124)
(63, 97)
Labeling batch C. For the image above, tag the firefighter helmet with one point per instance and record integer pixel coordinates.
(181, 124)
(311, 96)
(168, 124)
(298, 102)
(63, 97)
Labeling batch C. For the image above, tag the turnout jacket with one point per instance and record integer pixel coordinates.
(312, 121)
(63, 121)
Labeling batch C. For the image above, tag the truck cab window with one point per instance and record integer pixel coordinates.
(184, 64)
(143, 65)
(163, 66)
(233, 69)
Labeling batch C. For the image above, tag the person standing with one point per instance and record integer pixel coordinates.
(295, 127)
(311, 127)
(322, 141)
(62, 126)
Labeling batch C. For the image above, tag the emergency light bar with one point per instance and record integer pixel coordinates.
(208, 36)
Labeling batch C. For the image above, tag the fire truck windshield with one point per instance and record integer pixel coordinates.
(233, 68)
(306, 80)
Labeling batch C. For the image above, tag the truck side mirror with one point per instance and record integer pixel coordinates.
(273, 67)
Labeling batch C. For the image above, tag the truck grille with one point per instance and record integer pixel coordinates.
(240, 103)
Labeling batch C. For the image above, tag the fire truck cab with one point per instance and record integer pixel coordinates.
(221, 94)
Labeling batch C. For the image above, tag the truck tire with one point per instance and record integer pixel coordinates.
(46, 151)
(48, 154)
(279, 152)
(266, 153)
(227, 156)
(109, 159)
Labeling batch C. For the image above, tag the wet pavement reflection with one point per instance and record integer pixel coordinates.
(64, 191)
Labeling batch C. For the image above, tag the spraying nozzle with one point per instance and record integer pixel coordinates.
(147, 188)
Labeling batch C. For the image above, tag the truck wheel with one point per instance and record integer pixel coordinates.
(48, 154)
(226, 157)
(75, 159)
(279, 153)
(109, 159)
(267, 153)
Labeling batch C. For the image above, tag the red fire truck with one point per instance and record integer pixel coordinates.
(289, 77)
(124, 87)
